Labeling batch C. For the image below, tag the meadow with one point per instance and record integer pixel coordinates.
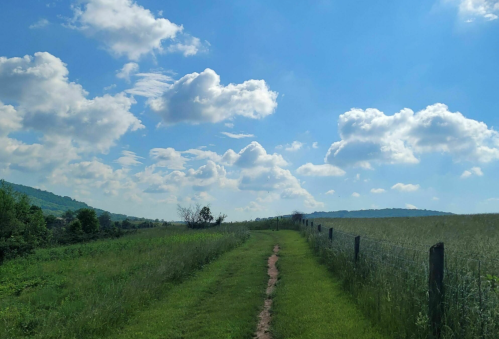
(389, 281)
(88, 290)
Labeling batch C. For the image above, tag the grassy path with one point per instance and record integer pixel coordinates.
(220, 301)
(308, 301)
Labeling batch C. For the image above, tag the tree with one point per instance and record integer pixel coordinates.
(75, 231)
(105, 221)
(68, 216)
(205, 215)
(88, 220)
(126, 224)
(220, 219)
(296, 216)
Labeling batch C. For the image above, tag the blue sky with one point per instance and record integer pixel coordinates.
(253, 107)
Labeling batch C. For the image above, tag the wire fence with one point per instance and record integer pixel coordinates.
(392, 285)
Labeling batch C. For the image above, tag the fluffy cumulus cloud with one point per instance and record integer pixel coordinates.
(405, 187)
(474, 171)
(199, 97)
(486, 9)
(371, 137)
(324, 170)
(253, 155)
(295, 146)
(49, 103)
(355, 195)
(411, 207)
(377, 190)
(168, 157)
(330, 192)
(126, 28)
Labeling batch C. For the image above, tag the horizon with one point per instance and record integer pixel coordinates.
(256, 109)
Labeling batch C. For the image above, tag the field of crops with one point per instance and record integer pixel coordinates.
(88, 290)
(389, 280)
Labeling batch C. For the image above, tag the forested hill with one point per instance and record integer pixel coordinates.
(381, 213)
(56, 205)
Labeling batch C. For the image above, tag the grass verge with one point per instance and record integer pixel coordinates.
(309, 302)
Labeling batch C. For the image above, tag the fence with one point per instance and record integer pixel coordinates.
(413, 292)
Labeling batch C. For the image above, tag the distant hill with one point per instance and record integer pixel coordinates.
(56, 205)
(381, 213)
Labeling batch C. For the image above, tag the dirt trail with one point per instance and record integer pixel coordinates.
(262, 331)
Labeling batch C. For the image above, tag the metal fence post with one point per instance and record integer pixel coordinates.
(436, 289)
(312, 224)
(319, 227)
(278, 223)
(306, 222)
(331, 234)
(357, 247)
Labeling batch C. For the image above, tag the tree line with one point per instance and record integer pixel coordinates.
(23, 226)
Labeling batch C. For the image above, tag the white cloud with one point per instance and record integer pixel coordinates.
(229, 125)
(10, 120)
(370, 136)
(40, 24)
(168, 157)
(128, 159)
(127, 70)
(199, 97)
(405, 187)
(377, 190)
(331, 192)
(50, 104)
(315, 145)
(150, 85)
(253, 155)
(324, 170)
(295, 146)
(237, 136)
(435, 198)
(411, 207)
(127, 28)
(252, 207)
(199, 154)
(355, 195)
(487, 9)
(473, 171)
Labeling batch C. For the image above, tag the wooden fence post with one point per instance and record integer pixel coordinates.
(319, 227)
(312, 224)
(331, 234)
(278, 223)
(306, 222)
(436, 289)
(357, 247)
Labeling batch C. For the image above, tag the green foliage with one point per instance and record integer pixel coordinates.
(105, 221)
(381, 213)
(88, 219)
(205, 215)
(22, 226)
(91, 290)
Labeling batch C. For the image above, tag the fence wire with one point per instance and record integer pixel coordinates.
(390, 283)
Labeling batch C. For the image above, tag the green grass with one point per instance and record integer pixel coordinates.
(88, 290)
(308, 301)
(390, 279)
(220, 301)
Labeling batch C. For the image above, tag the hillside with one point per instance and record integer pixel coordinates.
(56, 205)
(381, 213)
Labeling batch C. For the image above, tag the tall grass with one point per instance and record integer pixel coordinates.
(86, 291)
(390, 278)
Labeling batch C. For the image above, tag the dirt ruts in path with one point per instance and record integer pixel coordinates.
(262, 331)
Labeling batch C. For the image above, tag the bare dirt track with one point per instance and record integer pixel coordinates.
(263, 328)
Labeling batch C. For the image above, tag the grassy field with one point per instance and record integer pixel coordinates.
(390, 279)
(220, 301)
(89, 290)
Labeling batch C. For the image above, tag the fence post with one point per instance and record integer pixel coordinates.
(357, 247)
(278, 223)
(436, 289)
(319, 227)
(331, 234)
(306, 222)
(312, 224)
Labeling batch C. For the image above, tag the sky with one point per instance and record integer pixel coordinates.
(257, 108)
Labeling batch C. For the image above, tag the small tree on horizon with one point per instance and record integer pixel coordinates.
(88, 219)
